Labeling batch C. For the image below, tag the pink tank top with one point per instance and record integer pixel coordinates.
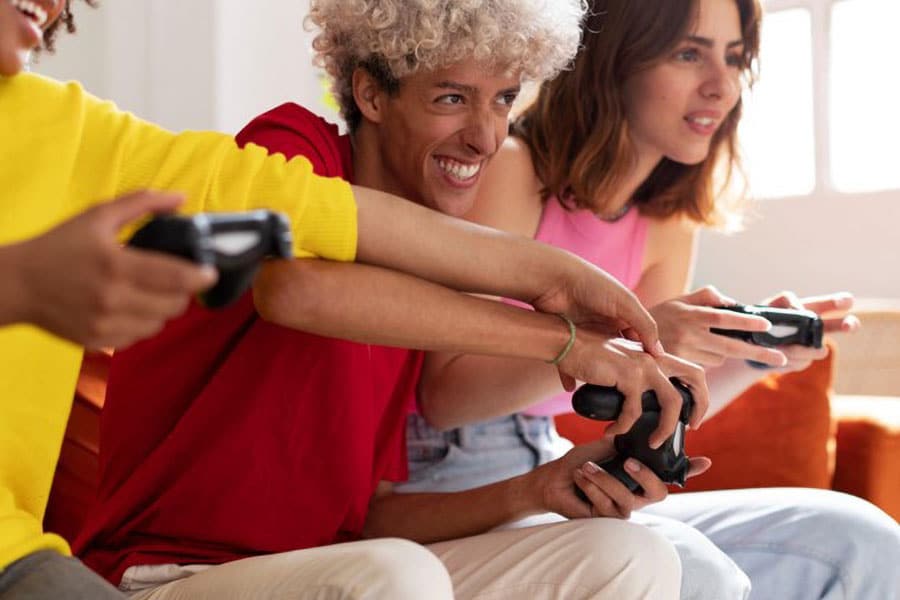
(617, 248)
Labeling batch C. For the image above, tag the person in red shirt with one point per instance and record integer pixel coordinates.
(237, 454)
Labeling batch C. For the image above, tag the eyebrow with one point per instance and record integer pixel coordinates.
(708, 43)
(472, 90)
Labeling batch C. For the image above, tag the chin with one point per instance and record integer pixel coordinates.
(453, 205)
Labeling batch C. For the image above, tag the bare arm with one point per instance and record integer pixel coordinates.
(369, 304)
(429, 518)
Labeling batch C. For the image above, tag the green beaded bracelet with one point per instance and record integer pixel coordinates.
(565, 351)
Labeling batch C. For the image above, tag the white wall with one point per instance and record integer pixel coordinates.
(811, 245)
(210, 64)
(217, 63)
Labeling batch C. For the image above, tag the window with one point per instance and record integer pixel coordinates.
(824, 115)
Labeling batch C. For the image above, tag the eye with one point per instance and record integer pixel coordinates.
(736, 60)
(508, 99)
(451, 99)
(687, 55)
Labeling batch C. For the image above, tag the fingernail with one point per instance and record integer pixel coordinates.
(656, 445)
(659, 347)
(632, 465)
(590, 467)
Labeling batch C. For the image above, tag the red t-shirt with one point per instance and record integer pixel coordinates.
(226, 436)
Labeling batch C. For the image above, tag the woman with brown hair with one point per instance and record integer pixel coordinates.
(620, 160)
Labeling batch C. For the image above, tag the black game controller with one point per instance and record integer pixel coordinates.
(234, 243)
(604, 403)
(789, 326)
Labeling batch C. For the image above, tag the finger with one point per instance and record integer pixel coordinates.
(601, 504)
(741, 350)
(706, 359)
(612, 489)
(125, 209)
(567, 381)
(670, 403)
(637, 318)
(843, 324)
(726, 319)
(631, 409)
(655, 489)
(795, 353)
(698, 465)
(122, 331)
(840, 301)
(159, 272)
(137, 303)
(786, 300)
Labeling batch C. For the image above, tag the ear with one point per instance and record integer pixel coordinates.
(368, 95)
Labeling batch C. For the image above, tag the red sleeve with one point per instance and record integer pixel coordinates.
(293, 131)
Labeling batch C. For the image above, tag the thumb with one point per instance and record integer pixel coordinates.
(708, 296)
(125, 209)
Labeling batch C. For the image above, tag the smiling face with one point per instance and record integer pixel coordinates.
(430, 140)
(22, 24)
(675, 106)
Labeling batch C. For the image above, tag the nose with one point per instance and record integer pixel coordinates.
(484, 132)
(722, 83)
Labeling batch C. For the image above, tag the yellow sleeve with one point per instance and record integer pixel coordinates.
(215, 175)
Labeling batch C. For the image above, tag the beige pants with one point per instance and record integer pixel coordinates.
(586, 558)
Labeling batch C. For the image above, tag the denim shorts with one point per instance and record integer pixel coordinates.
(478, 454)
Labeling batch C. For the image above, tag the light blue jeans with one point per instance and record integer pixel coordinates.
(789, 543)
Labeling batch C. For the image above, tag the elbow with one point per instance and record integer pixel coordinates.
(429, 408)
(279, 293)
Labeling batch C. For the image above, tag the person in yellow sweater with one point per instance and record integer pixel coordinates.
(68, 282)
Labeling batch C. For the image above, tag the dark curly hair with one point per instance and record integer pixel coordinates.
(67, 19)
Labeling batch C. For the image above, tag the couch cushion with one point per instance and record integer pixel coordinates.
(868, 449)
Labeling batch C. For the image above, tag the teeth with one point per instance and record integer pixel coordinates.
(458, 170)
(704, 121)
(32, 11)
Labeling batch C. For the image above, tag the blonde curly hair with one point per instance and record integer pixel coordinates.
(396, 38)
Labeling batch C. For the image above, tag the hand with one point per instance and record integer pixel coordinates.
(608, 496)
(685, 323)
(588, 295)
(78, 282)
(835, 312)
(601, 359)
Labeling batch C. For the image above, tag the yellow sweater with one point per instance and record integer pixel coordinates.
(62, 150)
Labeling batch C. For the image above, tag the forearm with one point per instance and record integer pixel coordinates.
(374, 305)
(728, 381)
(455, 253)
(467, 388)
(430, 518)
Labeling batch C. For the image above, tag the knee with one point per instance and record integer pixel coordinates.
(860, 528)
(403, 570)
(646, 563)
(707, 572)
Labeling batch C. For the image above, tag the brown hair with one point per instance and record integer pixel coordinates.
(67, 19)
(576, 128)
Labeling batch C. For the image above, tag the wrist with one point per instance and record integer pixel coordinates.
(14, 304)
(525, 495)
